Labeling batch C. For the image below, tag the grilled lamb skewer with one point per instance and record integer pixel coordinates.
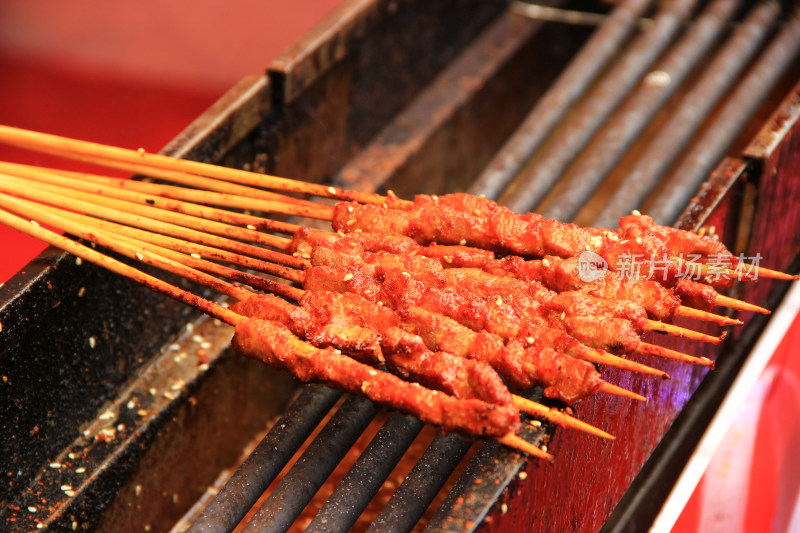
(468, 220)
(554, 273)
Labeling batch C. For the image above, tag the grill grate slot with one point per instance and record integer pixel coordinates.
(717, 79)
(265, 462)
(534, 182)
(312, 469)
(732, 118)
(622, 130)
(360, 484)
(415, 494)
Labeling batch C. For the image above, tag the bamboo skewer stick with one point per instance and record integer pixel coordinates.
(727, 301)
(148, 223)
(678, 331)
(699, 314)
(49, 193)
(660, 351)
(181, 199)
(206, 306)
(95, 152)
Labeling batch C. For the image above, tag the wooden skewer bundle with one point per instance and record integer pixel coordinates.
(175, 229)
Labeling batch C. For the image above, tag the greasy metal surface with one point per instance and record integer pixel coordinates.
(111, 470)
(621, 131)
(774, 131)
(71, 336)
(311, 470)
(536, 179)
(351, 496)
(421, 485)
(716, 79)
(714, 190)
(551, 108)
(738, 109)
(492, 471)
(459, 112)
(265, 462)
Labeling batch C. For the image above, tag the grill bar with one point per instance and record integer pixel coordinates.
(721, 74)
(739, 108)
(312, 469)
(265, 462)
(602, 46)
(531, 186)
(622, 130)
(416, 493)
(360, 484)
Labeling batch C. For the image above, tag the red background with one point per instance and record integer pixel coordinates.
(131, 74)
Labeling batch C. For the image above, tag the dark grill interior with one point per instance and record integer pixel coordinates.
(577, 123)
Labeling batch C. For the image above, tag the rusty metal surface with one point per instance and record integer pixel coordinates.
(571, 84)
(476, 99)
(623, 128)
(530, 186)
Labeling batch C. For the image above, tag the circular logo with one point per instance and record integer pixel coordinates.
(591, 267)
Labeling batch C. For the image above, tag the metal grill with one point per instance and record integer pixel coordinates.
(469, 95)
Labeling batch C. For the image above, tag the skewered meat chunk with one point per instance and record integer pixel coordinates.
(555, 273)
(466, 219)
(274, 344)
(343, 321)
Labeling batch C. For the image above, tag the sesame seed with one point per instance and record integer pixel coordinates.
(544, 448)
(523, 475)
(5, 379)
(81, 292)
(196, 256)
(504, 508)
(331, 190)
(536, 423)
(638, 240)
(131, 404)
(74, 525)
(563, 315)
(66, 487)
(462, 242)
(152, 391)
(636, 213)
(32, 509)
(92, 342)
(34, 223)
(55, 465)
(78, 261)
(142, 412)
(177, 385)
(351, 222)
(530, 340)
(545, 263)
(139, 256)
(203, 367)
(250, 226)
(348, 276)
(350, 209)
(141, 151)
(80, 470)
(499, 300)
(108, 415)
